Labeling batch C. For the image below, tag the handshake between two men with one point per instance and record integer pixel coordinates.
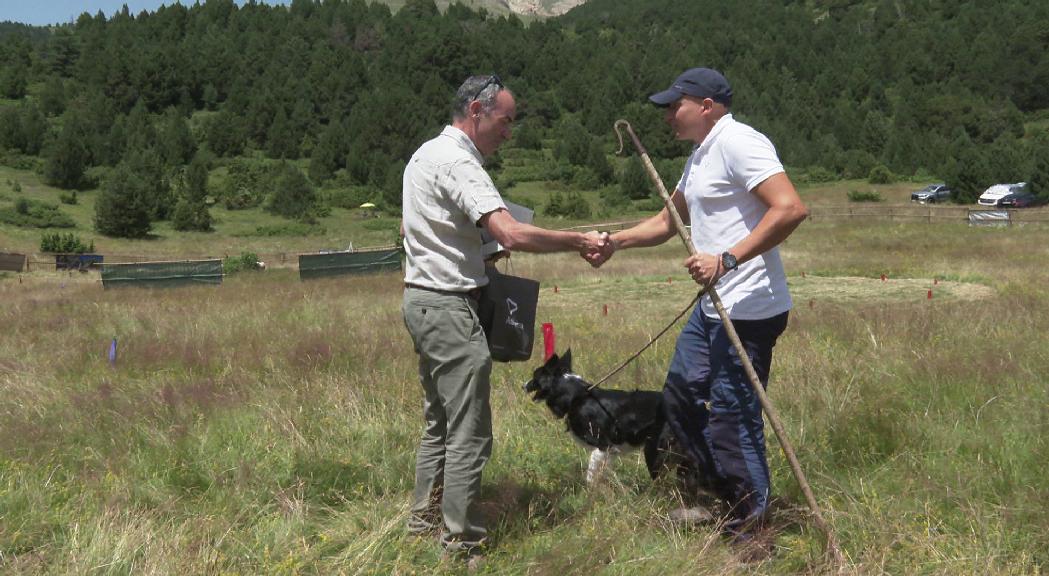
(705, 269)
(600, 251)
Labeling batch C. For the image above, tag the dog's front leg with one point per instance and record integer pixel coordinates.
(598, 462)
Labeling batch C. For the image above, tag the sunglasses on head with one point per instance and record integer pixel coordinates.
(493, 79)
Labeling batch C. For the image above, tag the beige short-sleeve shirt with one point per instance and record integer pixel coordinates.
(446, 191)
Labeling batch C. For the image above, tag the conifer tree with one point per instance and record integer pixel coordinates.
(574, 145)
(66, 159)
(225, 134)
(175, 141)
(34, 129)
(598, 162)
(191, 211)
(1038, 180)
(53, 97)
(13, 80)
(149, 167)
(969, 171)
(527, 136)
(11, 134)
(324, 160)
(633, 184)
(121, 209)
(554, 205)
(141, 133)
(293, 196)
(281, 142)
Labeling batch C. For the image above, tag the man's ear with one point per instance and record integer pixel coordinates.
(566, 360)
(474, 108)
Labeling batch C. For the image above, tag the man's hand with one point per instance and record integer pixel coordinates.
(497, 256)
(705, 269)
(601, 255)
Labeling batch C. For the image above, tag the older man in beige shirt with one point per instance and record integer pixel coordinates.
(447, 198)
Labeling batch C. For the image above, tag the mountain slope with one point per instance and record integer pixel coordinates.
(526, 8)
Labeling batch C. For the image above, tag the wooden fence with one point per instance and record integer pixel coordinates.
(12, 262)
(928, 213)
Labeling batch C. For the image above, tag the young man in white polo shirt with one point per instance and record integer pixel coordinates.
(741, 205)
(447, 198)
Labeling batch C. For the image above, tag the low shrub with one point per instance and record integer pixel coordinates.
(67, 243)
(856, 163)
(68, 197)
(246, 261)
(28, 213)
(505, 182)
(652, 204)
(286, 229)
(381, 224)
(817, 175)
(525, 201)
(20, 161)
(864, 196)
(570, 205)
(880, 174)
(349, 198)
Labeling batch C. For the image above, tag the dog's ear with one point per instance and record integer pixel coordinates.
(566, 360)
(552, 362)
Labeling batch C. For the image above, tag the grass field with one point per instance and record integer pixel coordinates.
(268, 426)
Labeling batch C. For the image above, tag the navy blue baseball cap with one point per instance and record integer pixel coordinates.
(698, 82)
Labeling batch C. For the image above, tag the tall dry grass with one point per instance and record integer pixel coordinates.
(269, 426)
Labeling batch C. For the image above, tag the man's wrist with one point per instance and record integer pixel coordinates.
(728, 262)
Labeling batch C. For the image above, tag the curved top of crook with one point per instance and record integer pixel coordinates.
(619, 135)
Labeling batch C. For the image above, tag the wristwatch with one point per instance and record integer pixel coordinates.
(728, 262)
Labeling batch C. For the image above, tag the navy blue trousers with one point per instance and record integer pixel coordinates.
(715, 414)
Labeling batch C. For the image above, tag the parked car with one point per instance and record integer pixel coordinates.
(993, 195)
(932, 194)
(1021, 200)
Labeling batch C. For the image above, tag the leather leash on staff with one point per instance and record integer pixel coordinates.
(752, 376)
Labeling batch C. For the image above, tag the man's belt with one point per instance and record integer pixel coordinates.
(474, 293)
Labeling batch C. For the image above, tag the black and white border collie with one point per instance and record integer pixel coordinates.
(609, 421)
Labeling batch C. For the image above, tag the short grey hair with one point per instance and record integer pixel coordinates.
(481, 88)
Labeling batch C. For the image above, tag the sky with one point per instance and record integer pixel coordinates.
(43, 12)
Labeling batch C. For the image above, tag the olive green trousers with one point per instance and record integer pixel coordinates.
(455, 369)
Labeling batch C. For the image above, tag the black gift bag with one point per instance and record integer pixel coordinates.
(507, 312)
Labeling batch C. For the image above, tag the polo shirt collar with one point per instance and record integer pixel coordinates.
(718, 128)
(463, 141)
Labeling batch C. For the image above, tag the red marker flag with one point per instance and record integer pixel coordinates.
(548, 340)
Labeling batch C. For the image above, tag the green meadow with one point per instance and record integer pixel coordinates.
(268, 426)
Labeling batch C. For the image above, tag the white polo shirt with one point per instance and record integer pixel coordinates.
(718, 177)
(446, 191)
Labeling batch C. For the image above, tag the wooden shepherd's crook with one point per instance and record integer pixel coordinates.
(755, 383)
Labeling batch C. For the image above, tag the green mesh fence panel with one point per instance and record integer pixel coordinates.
(162, 274)
(338, 263)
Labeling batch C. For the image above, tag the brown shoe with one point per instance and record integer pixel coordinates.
(691, 515)
(752, 548)
(472, 559)
(475, 563)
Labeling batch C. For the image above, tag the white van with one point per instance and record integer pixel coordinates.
(993, 195)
